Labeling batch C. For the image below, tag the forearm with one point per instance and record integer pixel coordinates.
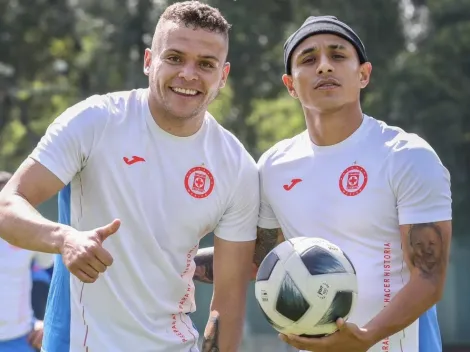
(409, 304)
(23, 226)
(232, 266)
(426, 252)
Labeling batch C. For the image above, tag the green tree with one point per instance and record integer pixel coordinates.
(59, 53)
(275, 120)
(256, 50)
(30, 77)
(428, 93)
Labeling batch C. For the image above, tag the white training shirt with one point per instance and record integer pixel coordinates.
(356, 194)
(168, 192)
(16, 313)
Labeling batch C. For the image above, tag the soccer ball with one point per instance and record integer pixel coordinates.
(304, 285)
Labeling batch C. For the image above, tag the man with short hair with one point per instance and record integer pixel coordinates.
(142, 176)
(19, 330)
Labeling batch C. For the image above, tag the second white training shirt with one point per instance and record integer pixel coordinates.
(356, 194)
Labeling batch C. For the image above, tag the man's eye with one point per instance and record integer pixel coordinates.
(308, 60)
(207, 65)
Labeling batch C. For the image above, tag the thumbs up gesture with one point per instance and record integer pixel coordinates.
(83, 253)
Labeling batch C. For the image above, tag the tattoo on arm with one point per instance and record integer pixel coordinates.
(204, 260)
(427, 250)
(266, 240)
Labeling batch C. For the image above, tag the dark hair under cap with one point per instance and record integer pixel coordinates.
(322, 25)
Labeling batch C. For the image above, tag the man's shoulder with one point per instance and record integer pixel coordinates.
(98, 105)
(227, 143)
(401, 144)
(98, 108)
(90, 107)
(121, 100)
(286, 149)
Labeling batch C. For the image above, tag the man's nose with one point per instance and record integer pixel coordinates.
(189, 72)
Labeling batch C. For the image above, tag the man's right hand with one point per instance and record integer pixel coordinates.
(83, 253)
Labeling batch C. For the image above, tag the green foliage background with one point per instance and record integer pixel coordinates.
(55, 53)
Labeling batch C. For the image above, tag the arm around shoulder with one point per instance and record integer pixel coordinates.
(266, 239)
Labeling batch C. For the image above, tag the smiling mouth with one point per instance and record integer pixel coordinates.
(185, 91)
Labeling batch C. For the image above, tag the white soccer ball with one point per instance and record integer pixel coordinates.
(304, 285)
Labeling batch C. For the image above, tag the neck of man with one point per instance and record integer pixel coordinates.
(332, 127)
(174, 125)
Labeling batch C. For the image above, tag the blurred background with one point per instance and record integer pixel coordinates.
(54, 53)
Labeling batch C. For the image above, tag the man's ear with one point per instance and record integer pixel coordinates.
(289, 83)
(147, 61)
(225, 72)
(365, 73)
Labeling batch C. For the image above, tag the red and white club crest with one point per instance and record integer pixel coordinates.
(353, 180)
(199, 182)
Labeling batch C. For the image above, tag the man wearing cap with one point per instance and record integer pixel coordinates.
(379, 193)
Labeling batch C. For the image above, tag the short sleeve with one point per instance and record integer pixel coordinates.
(422, 186)
(266, 219)
(71, 137)
(238, 223)
(43, 260)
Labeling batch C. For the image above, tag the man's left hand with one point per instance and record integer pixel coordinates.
(348, 338)
(35, 336)
(210, 343)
